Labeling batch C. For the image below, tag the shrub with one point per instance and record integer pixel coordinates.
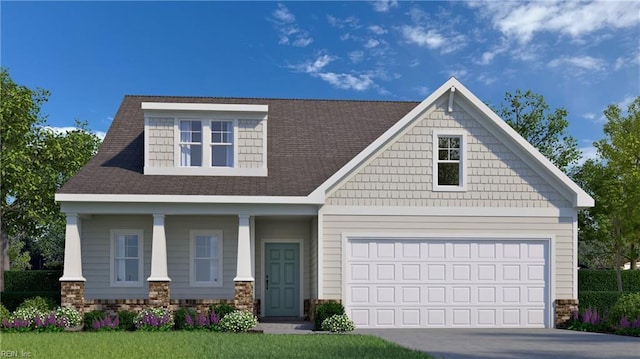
(180, 318)
(324, 311)
(605, 280)
(4, 313)
(109, 323)
(600, 301)
(70, 317)
(127, 320)
(92, 316)
(27, 314)
(32, 280)
(222, 309)
(238, 321)
(12, 300)
(41, 304)
(338, 323)
(628, 306)
(154, 319)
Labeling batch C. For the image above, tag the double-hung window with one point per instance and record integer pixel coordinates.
(206, 258)
(190, 143)
(222, 143)
(448, 166)
(126, 257)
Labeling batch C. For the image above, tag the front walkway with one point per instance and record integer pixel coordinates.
(289, 327)
(511, 343)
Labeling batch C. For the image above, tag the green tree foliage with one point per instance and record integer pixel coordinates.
(546, 130)
(612, 228)
(35, 162)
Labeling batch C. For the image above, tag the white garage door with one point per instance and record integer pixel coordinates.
(447, 283)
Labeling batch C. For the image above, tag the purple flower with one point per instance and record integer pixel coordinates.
(38, 321)
(575, 315)
(594, 318)
(214, 318)
(586, 317)
(624, 323)
(188, 319)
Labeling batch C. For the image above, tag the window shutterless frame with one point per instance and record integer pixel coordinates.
(449, 160)
(126, 257)
(205, 260)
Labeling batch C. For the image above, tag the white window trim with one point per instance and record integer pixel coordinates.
(112, 257)
(192, 248)
(463, 160)
(179, 142)
(234, 144)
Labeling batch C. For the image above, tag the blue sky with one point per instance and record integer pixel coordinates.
(580, 55)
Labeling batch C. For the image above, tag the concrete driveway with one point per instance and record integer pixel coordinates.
(511, 343)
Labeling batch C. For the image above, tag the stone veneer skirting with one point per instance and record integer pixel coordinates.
(72, 295)
(159, 294)
(564, 311)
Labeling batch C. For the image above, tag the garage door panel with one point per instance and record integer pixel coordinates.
(455, 283)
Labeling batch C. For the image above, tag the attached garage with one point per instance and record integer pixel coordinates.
(448, 282)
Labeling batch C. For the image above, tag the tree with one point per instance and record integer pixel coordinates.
(613, 225)
(546, 130)
(35, 162)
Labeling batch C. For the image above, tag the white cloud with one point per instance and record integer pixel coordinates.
(289, 32)
(581, 62)
(314, 66)
(384, 6)
(356, 56)
(589, 116)
(458, 73)
(486, 79)
(66, 129)
(423, 90)
(627, 61)
(588, 153)
(347, 81)
(351, 22)
(432, 39)
(378, 30)
(414, 63)
(522, 20)
(371, 43)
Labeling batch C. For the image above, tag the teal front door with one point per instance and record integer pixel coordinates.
(282, 279)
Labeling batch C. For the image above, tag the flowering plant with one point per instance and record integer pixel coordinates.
(70, 316)
(154, 319)
(238, 321)
(338, 323)
(106, 324)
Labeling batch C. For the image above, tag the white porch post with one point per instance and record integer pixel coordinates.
(158, 251)
(72, 252)
(244, 265)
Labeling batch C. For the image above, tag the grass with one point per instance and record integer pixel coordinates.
(199, 345)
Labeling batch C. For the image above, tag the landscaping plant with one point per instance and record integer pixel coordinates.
(238, 321)
(222, 309)
(627, 306)
(326, 310)
(338, 323)
(154, 319)
(127, 320)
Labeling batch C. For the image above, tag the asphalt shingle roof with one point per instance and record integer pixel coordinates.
(308, 141)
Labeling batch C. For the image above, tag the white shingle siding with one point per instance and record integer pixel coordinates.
(560, 228)
(161, 147)
(402, 174)
(250, 143)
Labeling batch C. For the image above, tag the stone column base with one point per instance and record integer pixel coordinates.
(159, 294)
(244, 296)
(72, 295)
(564, 311)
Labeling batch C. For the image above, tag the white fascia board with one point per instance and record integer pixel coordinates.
(580, 198)
(173, 106)
(146, 198)
(385, 137)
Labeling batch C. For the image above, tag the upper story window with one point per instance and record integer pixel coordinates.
(449, 161)
(190, 143)
(205, 139)
(222, 143)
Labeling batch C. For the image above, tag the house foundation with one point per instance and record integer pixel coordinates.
(564, 311)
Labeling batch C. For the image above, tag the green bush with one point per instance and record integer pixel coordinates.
(127, 320)
(180, 315)
(324, 311)
(627, 306)
(4, 313)
(43, 305)
(338, 323)
(90, 317)
(154, 320)
(238, 321)
(605, 280)
(12, 300)
(222, 309)
(600, 301)
(32, 281)
(72, 318)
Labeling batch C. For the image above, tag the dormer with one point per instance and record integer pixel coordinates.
(205, 139)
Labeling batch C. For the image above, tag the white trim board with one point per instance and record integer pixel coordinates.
(449, 211)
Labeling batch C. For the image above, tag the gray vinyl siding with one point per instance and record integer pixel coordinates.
(270, 229)
(401, 174)
(424, 226)
(95, 241)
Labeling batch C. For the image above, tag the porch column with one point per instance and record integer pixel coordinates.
(72, 281)
(244, 278)
(159, 278)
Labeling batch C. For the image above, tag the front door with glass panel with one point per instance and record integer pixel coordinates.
(282, 279)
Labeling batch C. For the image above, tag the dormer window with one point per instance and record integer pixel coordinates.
(205, 139)
(222, 143)
(190, 143)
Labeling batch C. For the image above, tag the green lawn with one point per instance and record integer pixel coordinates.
(198, 345)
